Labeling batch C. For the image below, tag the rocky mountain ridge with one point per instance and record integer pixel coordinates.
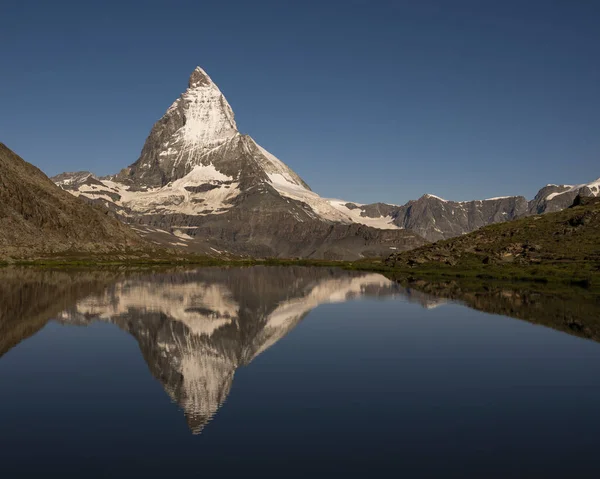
(435, 218)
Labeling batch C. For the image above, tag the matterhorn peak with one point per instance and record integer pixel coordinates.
(199, 78)
(202, 185)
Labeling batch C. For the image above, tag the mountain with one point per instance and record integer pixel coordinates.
(206, 185)
(201, 185)
(565, 239)
(37, 217)
(434, 218)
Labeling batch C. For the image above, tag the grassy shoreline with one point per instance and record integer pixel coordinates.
(564, 273)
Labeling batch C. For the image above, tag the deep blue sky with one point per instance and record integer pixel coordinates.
(366, 100)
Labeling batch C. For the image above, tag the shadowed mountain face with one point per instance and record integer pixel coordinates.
(196, 328)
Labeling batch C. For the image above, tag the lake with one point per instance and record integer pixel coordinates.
(293, 372)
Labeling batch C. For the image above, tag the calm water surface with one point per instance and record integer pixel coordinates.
(291, 372)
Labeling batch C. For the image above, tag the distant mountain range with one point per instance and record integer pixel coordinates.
(564, 242)
(434, 218)
(201, 185)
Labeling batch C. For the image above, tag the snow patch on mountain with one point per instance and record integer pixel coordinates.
(278, 167)
(428, 195)
(201, 174)
(553, 195)
(181, 196)
(321, 207)
(67, 179)
(383, 222)
(594, 188)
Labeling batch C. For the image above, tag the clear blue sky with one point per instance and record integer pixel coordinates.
(366, 100)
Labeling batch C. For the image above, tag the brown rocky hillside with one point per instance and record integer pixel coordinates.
(38, 218)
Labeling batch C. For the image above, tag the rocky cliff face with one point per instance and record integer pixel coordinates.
(37, 217)
(208, 188)
(440, 219)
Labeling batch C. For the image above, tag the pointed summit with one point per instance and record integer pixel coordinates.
(197, 122)
(199, 78)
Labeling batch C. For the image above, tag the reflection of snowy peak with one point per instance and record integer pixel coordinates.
(288, 313)
(201, 307)
(196, 328)
(335, 290)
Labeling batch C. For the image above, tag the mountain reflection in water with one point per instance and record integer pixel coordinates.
(195, 328)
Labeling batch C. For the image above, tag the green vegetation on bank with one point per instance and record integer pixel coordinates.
(567, 274)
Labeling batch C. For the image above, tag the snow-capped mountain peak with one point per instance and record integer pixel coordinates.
(199, 178)
(199, 78)
(208, 119)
